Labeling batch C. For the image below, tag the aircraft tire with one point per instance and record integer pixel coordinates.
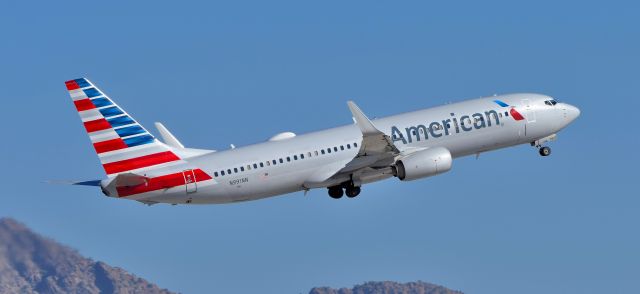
(545, 151)
(336, 192)
(352, 192)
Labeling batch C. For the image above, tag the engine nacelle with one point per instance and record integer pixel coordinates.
(424, 164)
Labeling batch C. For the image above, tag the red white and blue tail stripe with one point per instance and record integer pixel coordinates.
(122, 144)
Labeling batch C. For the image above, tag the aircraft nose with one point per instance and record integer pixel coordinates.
(571, 112)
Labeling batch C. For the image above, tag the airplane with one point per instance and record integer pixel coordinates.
(407, 146)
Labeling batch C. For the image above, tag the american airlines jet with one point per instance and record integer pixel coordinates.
(406, 146)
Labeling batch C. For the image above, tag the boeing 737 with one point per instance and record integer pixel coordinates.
(406, 146)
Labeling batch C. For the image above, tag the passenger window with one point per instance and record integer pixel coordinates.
(321, 151)
(355, 144)
(317, 152)
(341, 147)
(255, 166)
(329, 150)
(301, 156)
(222, 172)
(215, 174)
(288, 159)
(335, 149)
(349, 145)
(235, 169)
(500, 114)
(242, 168)
(262, 164)
(309, 154)
(274, 162)
(295, 157)
(281, 161)
(506, 113)
(229, 171)
(268, 163)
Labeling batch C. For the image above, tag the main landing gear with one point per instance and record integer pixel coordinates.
(348, 188)
(336, 192)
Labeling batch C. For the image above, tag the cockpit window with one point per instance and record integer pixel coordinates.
(551, 102)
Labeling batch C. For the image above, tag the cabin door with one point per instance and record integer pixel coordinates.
(529, 114)
(190, 181)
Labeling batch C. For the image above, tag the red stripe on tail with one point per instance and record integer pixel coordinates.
(84, 104)
(109, 145)
(139, 162)
(162, 182)
(71, 85)
(97, 125)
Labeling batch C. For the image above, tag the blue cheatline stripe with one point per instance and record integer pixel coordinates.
(111, 111)
(92, 92)
(501, 103)
(82, 83)
(120, 121)
(140, 140)
(128, 131)
(99, 102)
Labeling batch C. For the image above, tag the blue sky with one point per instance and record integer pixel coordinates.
(221, 73)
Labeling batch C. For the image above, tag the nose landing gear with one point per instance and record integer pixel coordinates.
(544, 151)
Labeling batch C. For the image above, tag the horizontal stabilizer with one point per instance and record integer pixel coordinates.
(168, 137)
(93, 183)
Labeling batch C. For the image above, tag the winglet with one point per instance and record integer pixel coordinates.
(365, 125)
(167, 137)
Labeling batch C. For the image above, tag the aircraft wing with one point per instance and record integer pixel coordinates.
(376, 151)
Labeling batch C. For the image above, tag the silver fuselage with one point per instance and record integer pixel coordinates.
(465, 134)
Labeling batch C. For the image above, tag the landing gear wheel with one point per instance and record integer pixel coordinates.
(545, 151)
(352, 191)
(336, 192)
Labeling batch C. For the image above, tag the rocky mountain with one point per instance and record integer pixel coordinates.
(387, 287)
(30, 263)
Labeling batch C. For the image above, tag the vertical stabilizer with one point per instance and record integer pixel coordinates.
(122, 144)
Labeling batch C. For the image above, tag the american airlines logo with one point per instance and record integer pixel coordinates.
(446, 127)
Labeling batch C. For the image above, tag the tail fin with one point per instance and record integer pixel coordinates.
(121, 143)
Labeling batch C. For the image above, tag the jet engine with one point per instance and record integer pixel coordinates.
(423, 164)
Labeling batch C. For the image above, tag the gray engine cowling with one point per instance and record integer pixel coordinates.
(424, 164)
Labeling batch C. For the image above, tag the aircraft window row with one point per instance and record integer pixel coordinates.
(295, 157)
(551, 102)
